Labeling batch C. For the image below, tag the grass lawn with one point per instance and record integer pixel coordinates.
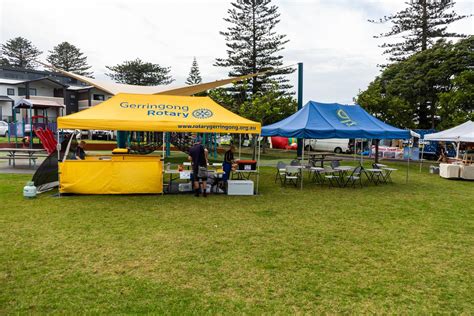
(380, 249)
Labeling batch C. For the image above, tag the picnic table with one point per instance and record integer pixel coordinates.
(321, 160)
(22, 153)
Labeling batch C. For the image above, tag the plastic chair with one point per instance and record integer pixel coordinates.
(292, 175)
(295, 162)
(280, 173)
(355, 177)
(331, 176)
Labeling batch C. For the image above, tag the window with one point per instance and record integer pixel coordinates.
(10, 91)
(98, 97)
(22, 91)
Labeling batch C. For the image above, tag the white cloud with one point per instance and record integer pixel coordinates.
(331, 37)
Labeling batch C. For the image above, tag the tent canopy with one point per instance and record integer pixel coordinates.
(160, 113)
(460, 133)
(322, 120)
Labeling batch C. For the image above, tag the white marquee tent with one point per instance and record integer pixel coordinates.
(460, 133)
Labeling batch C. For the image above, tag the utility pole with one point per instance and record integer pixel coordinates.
(299, 152)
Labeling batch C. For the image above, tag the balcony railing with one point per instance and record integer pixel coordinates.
(55, 99)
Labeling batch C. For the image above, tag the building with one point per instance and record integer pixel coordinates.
(27, 92)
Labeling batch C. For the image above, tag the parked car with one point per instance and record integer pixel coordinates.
(3, 128)
(337, 145)
(103, 135)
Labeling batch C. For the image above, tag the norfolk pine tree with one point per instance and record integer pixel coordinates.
(254, 45)
(138, 72)
(420, 24)
(19, 52)
(194, 74)
(68, 57)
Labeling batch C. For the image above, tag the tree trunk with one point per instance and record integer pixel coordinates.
(424, 25)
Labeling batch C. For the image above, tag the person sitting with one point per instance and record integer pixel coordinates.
(25, 141)
(80, 153)
(442, 156)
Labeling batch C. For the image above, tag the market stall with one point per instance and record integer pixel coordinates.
(332, 120)
(462, 166)
(123, 173)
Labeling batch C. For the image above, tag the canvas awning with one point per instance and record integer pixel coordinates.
(322, 120)
(37, 104)
(460, 133)
(160, 113)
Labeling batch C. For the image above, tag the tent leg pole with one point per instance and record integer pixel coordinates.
(58, 149)
(258, 164)
(240, 144)
(163, 148)
(421, 158)
(408, 164)
(457, 150)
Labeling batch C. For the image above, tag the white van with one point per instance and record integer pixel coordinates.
(336, 145)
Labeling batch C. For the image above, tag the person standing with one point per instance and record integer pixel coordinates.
(198, 157)
(80, 153)
(228, 161)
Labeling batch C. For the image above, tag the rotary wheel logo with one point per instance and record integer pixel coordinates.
(202, 113)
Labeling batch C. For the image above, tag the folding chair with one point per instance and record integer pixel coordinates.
(335, 164)
(355, 177)
(316, 174)
(329, 174)
(280, 172)
(295, 162)
(292, 175)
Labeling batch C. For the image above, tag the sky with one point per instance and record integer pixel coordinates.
(332, 38)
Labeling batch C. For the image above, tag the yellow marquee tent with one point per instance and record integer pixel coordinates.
(160, 113)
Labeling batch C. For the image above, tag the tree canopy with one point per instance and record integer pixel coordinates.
(419, 25)
(431, 89)
(254, 45)
(194, 74)
(138, 72)
(68, 57)
(19, 52)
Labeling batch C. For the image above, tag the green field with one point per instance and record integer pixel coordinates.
(401, 248)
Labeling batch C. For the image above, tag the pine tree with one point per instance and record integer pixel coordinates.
(68, 57)
(253, 44)
(141, 73)
(194, 74)
(420, 24)
(20, 52)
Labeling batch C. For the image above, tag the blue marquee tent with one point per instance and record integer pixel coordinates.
(333, 120)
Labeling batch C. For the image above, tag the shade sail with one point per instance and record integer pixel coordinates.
(161, 113)
(460, 133)
(322, 120)
(115, 88)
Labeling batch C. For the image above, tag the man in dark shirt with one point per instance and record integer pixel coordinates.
(198, 158)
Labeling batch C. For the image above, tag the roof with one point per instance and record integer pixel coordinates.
(37, 103)
(460, 133)
(160, 113)
(333, 120)
(5, 98)
(16, 82)
(77, 88)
